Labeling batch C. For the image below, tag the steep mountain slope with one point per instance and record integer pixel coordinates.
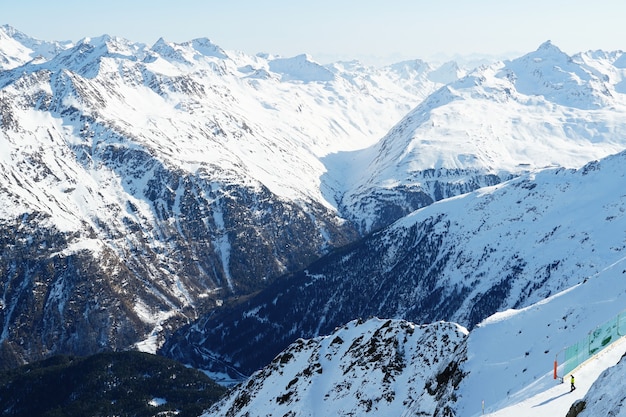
(503, 367)
(519, 365)
(144, 186)
(606, 396)
(461, 259)
(542, 109)
(377, 367)
(17, 48)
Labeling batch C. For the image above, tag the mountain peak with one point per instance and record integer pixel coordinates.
(548, 46)
(559, 78)
(10, 30)
(375, 367)
(189, 52)
(98, 40)
(85, 57)
(546, 51)
(301, 68)
(208, 48)
(17, 48)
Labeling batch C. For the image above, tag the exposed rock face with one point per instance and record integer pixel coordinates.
(377, 367)
(460, 260)
(374, 207)
(82, 301)
(576, 409)
(73, 303)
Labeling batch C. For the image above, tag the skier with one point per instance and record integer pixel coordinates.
(573, 387)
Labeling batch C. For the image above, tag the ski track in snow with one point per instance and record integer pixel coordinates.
(557, 400)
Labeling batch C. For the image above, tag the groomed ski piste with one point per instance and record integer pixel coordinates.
(510, 355)
(557, 400)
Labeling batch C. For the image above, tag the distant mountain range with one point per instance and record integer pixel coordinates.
(145, 186)
(216, 206)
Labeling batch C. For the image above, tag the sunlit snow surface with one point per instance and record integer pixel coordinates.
(510, 355)
(508, 366)
(331, 134)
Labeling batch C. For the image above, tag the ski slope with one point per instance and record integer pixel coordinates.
(510, 355)
(557, 400)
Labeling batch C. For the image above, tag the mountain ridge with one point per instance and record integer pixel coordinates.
(175, 183)
(503, 365)
(496, 122)
(111, 151)
(461, 259)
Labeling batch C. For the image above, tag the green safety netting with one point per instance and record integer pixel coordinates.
(597, 340)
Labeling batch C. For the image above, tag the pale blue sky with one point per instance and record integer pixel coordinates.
(390, 30)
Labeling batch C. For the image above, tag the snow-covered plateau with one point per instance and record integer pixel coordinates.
(407, 240)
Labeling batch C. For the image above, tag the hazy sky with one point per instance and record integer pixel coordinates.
(369, 30)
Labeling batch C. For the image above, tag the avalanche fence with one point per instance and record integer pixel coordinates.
(597, 340)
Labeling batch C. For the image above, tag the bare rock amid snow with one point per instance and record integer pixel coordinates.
(375, 367)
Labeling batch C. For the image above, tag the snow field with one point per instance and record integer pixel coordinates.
(511, 355)
(557, 400)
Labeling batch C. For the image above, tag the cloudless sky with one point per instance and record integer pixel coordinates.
(369, 30)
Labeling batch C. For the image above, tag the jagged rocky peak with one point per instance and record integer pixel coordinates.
(86, 56)
(377, 367)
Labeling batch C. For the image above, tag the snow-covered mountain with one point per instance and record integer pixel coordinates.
(376, 367)
(17, 48)
(461, 259)
(542, 109)
(146, 186)
(504, 367)
(143, 186)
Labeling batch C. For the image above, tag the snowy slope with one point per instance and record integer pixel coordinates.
(168, 179)
(197, 106)
(501, 368)
(142, 186)
(17, 48)
(461, 259)
(510, 355)
(376, 367)
(543, 109)
(599, 387)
